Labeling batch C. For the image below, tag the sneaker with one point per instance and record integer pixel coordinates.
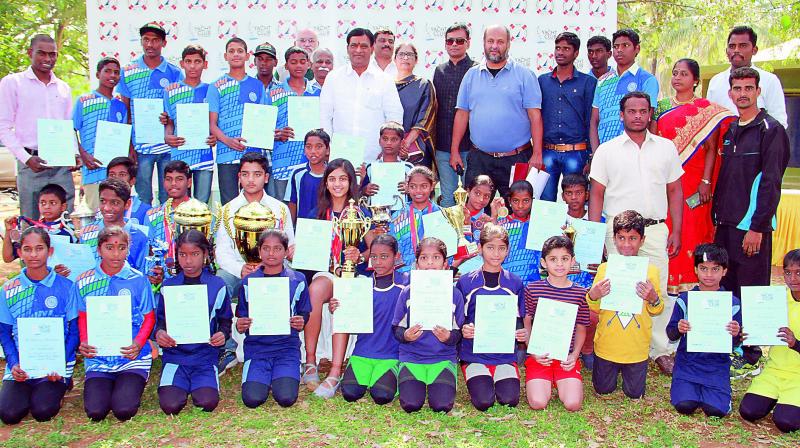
(226, 361)
(328, 387)
(740, 368)
(587, 359)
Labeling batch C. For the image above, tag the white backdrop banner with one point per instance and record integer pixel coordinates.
(114, 25)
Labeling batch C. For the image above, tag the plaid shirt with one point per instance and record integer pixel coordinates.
(446, 81)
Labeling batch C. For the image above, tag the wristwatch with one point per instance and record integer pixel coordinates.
(705, 181)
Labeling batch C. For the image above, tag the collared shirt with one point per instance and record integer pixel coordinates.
(226, 97)
(198, 159)
(636, 178)
(567, 107)
(288, 155)
(446, 81)
(23, 100)
(137, 80)
(359, 105)
(89, 109)
(611, 88)
(498, 105)
(591, 73)
(302, 191)
(391, 68)
(771, 97)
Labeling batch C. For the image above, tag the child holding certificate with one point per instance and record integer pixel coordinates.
(542, 372)
(114, 382)
(406, 224)
(36, 292)
(491, 377)
(192, 368)
(391, 137)
(374, 363)
(273, 362)
(303, 187)
(777, 388)
(701, 380)
(427, 357)
(520, 261)
(622, 340)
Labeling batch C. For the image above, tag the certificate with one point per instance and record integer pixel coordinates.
(192, 125)
(471, 264)
(258, 125)
(313, 250)
(547, 219)
(431, 301)
(354, 315)
(590, 238)
(495, 324)
(386, 175)
(186, 310)
(553, 325)
(41, 346)
(268, 304)
(56, 142)
(303, 115)
(437, 226)
(108, 323)
(624, 273)
(348, 147)
(147, 120)
(78, 258)
(709, 314)
(764, 311)
(111, 140)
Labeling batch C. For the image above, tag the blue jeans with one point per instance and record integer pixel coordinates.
(228, 181)
(144, 176)
(277, 188)
(201, 181)
(448, 179)
(558, 163)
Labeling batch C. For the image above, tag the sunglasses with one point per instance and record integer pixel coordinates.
(455, 40)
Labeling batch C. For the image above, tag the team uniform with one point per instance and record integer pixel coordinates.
(192, 368)
(520, 261)
(490, 377)
(700, 380)
(23, 298)
(406, 226)
(273, 362)
(60, 227)
(137, 212)
(302, 190)
(427, 365)
(89, 110)
(610, 90)
(116, 383)
(138, 249)
(374, 364)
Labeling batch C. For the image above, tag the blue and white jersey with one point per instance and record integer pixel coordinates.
(139, 247)
(88, 110)
(520, 261)
(303, 190)
(227, 97)
(289, 155)
(182, 93)
(406, 226)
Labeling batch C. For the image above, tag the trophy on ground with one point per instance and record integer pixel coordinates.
(351, 225)
(456, 215)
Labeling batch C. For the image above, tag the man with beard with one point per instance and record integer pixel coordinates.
(501, 102)
(384, 52)
(321, 65)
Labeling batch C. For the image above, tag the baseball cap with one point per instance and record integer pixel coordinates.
(267, 48)
(153, 27)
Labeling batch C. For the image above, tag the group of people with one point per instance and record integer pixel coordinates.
(691, 183)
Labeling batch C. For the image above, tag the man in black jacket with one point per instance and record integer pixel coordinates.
(754, 157)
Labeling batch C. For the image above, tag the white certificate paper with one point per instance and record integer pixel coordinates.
(386, 175)
(268, 305)
(111, 140)
(258, 125)
(56, 142)
(354, 314)
(553, 325)
(192, 125)
(431, 301)
(313, 250)
(437, 226)
(41, 346)
(186, 309)
(709, 314)
(765, 310)
(348, 147)
(108, 322)
(303, 115)
(495, 324)
(590, 238)
(147, 120)
(547, 219)
(624, 273)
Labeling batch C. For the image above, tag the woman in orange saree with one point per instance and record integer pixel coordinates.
(696, 126)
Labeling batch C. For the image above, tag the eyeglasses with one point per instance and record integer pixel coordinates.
(455, 41)
(406, 55)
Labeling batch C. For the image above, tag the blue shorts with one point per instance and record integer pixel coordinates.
(189, 378)
(717, 397)
(144, 373)
(265, 369)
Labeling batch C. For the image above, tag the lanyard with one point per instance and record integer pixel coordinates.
(412, 222)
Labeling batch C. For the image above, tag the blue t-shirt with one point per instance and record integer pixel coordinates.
(89, 109)
(289, 155)
(520, 261)
(137, 80)
(303, 190)
(139, 244)
(381, 343)
(227, 97)
(181, 93)
(138, 211)
(401, 227)
(610, 90)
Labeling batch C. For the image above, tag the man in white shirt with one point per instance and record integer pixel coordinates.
(641, 171)
(741, 49)
(384, 52)
(358, 98)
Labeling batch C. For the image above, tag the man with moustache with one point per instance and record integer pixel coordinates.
(598, 49)
(384, 52)
(501, 102)
(26, 97)
(358, 98)
(321, 65)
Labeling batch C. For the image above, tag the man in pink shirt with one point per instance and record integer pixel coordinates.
(26, 97)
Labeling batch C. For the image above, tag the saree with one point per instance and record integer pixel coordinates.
(419, 111)
(695, 128)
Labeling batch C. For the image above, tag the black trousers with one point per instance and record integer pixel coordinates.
(498, 168)
(41, 398)
(744, 270)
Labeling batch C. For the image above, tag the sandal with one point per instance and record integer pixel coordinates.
(311, 377)
(328, 389)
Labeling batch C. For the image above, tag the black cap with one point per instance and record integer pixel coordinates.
(266, 48)
(153, 27)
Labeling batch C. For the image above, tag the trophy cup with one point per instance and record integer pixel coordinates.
(193, 214)
(572, 233)
(82, 215)
(381, 214)
(351, 225)
(456, 216)
(248, 222)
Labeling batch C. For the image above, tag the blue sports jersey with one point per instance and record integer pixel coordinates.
(289, 155)
(138, 249)
(299, 305)
(155, 223)
(303, 191)
(401, 228)
(381, 343)
(137, 211)
(219, 310)
(227, 97)
(89, 109)
(181, 93)
(610, 90)
(128, 281)
(137, 80)
(23, 297)
(520, 261)
(472, 285)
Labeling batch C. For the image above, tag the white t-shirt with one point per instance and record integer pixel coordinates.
(771, 97)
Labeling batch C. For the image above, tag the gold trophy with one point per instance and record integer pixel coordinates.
(351, 225)
(381, 214)
(248, 222)
(456, 215)
(572, 233)
(193, 214)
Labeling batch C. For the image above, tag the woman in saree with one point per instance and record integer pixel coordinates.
(419, 107)
(696, 126)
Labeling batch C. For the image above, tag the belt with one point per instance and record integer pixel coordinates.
(33, 152)
(562, 147)
(499, 155)
(653, 222)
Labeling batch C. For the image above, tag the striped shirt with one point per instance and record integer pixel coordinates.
(572, 294)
